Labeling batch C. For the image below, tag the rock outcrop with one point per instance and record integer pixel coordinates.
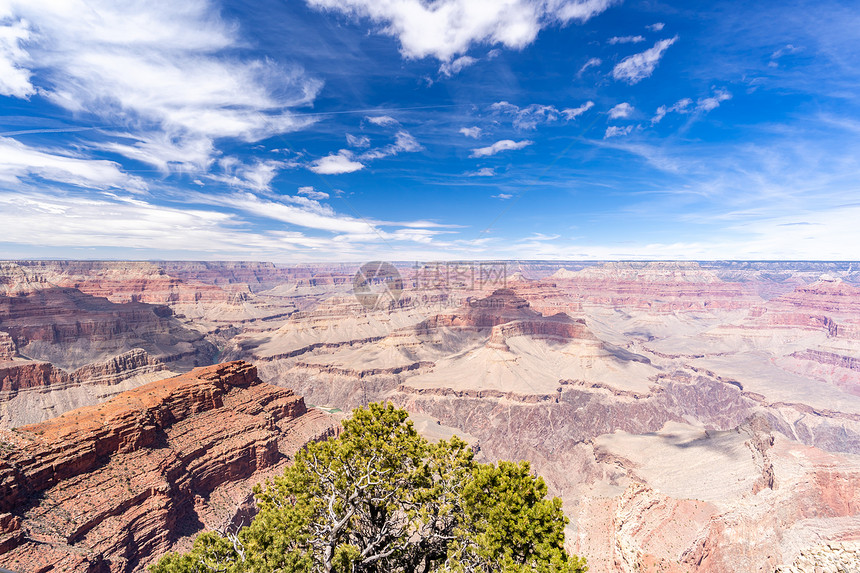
(24, 375)
(8, 348)
(113, 486)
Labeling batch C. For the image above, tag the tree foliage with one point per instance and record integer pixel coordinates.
(379, 498)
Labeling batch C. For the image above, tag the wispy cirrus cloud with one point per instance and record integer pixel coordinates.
(617, 131)
(257, 176)
(454, 67)
(625, 40)
(591, 63)
(633, 69)
(483, 172)
(685, 105)
(382, 120)
(574, 112)
(788, 49)
(713, 102)
(526, 118)
(499, 146)
(359, 141)
(312, 193)
(403, 142)
(20, 163)
(157, 72)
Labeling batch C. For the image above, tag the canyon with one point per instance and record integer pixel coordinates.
(692, 416)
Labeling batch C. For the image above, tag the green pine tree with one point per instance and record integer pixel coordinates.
(379, 498)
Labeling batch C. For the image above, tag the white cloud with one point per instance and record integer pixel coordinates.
(616, 131)
(503, 145)
(449, 69)
(382, 120)
(446, 28)
(681, 106)
(539, 237)
(14, 75)
(633, 69)
(483, 172)
(302, 212)
(621, 110)
(68, 221)
(502, 196)
(257, 176)
(685, 105)
(19, 161)
(360, 142)
(656, 27)
(163, 151)
(474, 132)
(528, 117)
(713, 102)
(403, 142)
(574, 112)
(626, 40)
(160, 71)
(336, 163)
(591, 63)
(787, 49)
(312, 193)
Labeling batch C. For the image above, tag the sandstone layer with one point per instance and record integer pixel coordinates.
(113, 486)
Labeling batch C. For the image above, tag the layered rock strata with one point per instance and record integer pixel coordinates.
(112, 487)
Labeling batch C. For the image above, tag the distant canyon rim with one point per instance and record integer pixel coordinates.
(692, 416)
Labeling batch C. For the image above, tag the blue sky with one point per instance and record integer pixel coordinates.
(315, 130)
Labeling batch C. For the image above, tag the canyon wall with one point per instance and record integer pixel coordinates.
(111, 487)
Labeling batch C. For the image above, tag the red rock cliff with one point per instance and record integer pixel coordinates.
(112, 487)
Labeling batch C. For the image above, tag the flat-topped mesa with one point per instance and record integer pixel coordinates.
(830, 296)
(115, 480)
(559, 327)
(504, 305)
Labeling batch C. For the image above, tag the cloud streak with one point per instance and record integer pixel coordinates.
(499, 146)
(633, 69)
(19, 162)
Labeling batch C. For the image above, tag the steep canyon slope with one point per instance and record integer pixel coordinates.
(111, 487)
